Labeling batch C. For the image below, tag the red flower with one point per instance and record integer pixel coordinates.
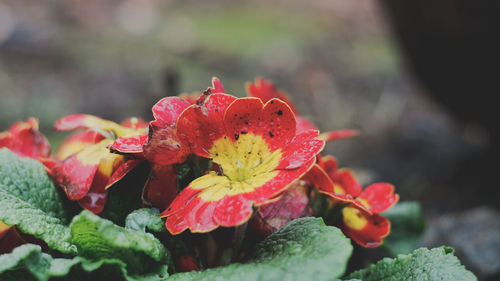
(24, 139)
(266, 90)
(258, 153)
(87, 168)
(360, 218)
(163, 147)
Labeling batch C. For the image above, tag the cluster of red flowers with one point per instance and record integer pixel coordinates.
(264, 159)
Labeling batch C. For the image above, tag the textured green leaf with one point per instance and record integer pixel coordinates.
(407, 225)
(29, 199)
(421, 265)
(145, 218)
(27, 263)
(305, 249)
(97, 238)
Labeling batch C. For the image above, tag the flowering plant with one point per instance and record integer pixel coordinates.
(212, 182)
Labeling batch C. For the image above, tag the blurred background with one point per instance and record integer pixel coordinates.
(417, 78)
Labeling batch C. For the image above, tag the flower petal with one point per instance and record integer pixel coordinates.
(85, 121)
(346, 182)
(95, 199)
(367, 230)
(233, 211)
(278, 125)
(217, 86)
(130, 145)
(134, 123)
(378, 197)
(164, 147)
(11, 237)
(274, 121)
(122, 171)
(266, 91)
(328, 163)
(76, 142)
(243, 116)
(167, 110)
(273, 216)
(76, 173)
(161, 187)
(197, 215)
(281, 182)
(304, 124)
(339, 134)
(301, 149)
(226, 206)
(200, 125)
(325, 185)
(24, 139)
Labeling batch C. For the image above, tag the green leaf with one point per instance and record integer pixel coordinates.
(421, 265)
(305, 249)
(145, 218)
(29, 199)
(27, 263)
(407, 225)
(97, 238)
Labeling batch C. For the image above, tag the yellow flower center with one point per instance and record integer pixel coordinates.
(353, 218)
(246, 164)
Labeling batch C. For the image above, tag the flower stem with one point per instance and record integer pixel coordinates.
(239, 236)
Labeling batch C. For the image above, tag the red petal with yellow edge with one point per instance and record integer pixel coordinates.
(243, 116)
(274, 121)
(24, 139)
(200, 125)
(329, 164)
(278, 123)
(181, 201)
(130, 145)
(273, 216)
(122, 171)
(325, 185)
(76, 142)
(197, 215)
(276, 186)
(95, 199)
(165, 147)
(337, 135)
(301, 149)
(161, 186)
(318, 177)
(84, 121)
(345, 178)
(304, 124)
(76, 173)
(167, 110)
(367, 230)
(134, 123)
(378, 197)
(233, 211)
(217, 86)
(266, 90)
